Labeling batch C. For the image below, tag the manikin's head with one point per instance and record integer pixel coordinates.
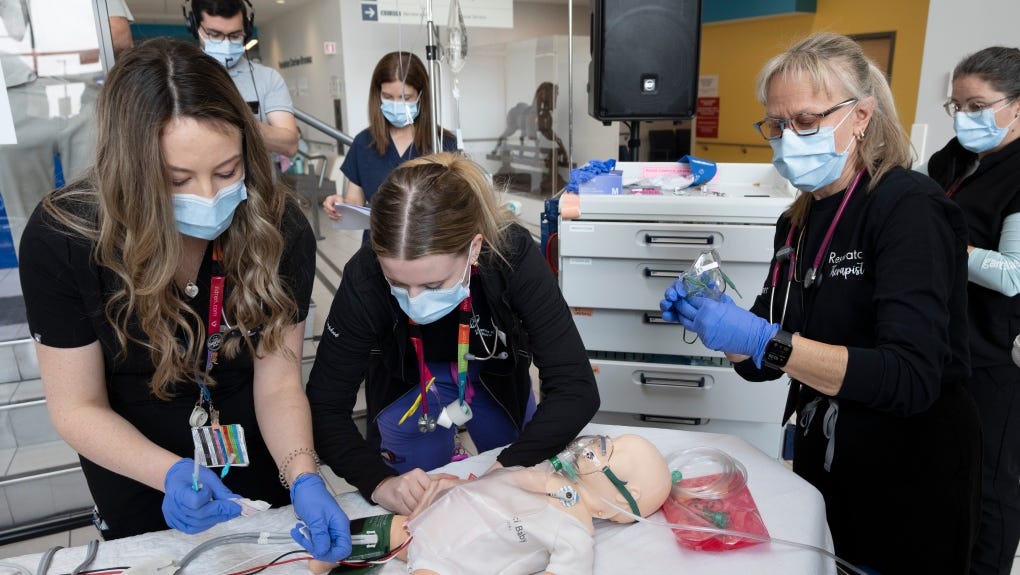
(627, 471)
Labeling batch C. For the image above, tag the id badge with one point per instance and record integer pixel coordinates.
(218, 444)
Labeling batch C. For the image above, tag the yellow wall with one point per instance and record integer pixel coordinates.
(736, 51)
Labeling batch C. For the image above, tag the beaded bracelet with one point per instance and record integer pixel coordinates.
(290, 458)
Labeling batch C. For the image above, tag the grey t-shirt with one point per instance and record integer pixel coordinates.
(262, 84)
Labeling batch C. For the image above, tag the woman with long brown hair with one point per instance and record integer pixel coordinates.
(167, 291)
(399, 113)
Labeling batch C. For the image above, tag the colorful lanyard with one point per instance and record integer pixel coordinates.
(213, 341)
(425, 422)
(811, 277)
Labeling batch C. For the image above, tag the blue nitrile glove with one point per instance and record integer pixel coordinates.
(326, 532)
(669, 305)
(722, 325)
(193, 511)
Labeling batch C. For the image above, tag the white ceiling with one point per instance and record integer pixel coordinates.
(169, 11)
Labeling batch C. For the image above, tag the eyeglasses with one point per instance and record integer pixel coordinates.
(971, 108)
(803, 124)
(217, 36)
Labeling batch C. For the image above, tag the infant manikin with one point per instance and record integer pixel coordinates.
(525, 520)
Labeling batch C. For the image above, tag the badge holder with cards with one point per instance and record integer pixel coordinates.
(216, 445)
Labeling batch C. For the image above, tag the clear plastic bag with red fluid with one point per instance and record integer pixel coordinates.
(712, 492)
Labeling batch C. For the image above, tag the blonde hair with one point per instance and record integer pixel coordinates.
(124, 204)
(835, 65)
(435, 205)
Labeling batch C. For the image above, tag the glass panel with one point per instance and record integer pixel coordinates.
(51, 70)
(530, 119)
(52, 73)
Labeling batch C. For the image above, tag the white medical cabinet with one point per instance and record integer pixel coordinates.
(619, 254)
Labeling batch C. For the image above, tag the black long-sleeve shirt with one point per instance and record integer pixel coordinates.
(893, 291)
(366, 337)
(987, 197)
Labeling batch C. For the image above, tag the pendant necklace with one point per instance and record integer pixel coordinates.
(191, 290)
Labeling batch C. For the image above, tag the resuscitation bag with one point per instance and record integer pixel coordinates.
(711, 491)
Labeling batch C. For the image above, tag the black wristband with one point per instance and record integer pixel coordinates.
(778, 350)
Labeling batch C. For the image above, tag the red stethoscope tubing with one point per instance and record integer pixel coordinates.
(787, 252)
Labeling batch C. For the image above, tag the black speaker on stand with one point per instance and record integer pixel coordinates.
(644, 61)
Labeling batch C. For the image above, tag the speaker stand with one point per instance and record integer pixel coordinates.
(634, 143)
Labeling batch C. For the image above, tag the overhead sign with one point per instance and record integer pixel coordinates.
(477, 13)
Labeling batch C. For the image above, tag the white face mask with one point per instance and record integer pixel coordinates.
(226, 52)
(979, 133)
(810, 162)
(432, 304)
(205, 218)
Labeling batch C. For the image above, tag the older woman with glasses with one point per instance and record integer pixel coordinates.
(869, 321)
(980, 171)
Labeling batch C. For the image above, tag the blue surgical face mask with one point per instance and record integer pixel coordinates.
(226, 52)
(810, 162)
(399, 113)
(208, 218)
(432, 304)
(979, 133)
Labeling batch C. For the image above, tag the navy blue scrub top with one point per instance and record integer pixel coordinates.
(365, 168)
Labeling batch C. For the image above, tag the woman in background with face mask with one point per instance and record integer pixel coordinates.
(399, 112)
(980, 171)
(864, 309)
(440, 317)
(178, 232)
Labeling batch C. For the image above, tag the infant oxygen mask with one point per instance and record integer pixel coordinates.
(586, 455)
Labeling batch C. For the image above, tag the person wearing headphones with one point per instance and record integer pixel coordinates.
(223, 27)
(398, 109)
(440, 316)
(166, 290)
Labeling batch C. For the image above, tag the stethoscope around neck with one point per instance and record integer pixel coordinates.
(787, 253)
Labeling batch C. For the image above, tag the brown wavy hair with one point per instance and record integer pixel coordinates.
(124, 205)
(435, 205)
(407, 68)
(835, 64)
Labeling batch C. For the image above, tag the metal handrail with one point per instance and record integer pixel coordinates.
(322, 169)
(323, 127)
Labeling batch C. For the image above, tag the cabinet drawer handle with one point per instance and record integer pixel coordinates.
(661, 381)
(654, 273)
(656, 318)
(673, 420)
(679, 240)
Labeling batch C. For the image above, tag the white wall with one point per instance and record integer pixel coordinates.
(302, 32)
(953, 32)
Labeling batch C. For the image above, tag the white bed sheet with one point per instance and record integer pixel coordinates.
(792, 510)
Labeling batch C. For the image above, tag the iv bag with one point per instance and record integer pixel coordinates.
(457, 44)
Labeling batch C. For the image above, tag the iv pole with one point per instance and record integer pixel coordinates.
(432, 55)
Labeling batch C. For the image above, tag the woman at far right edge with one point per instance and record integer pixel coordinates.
(980, 171)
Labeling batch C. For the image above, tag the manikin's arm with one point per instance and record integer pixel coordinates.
(398, 535)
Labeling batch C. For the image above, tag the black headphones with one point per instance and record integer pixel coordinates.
(247, 19)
